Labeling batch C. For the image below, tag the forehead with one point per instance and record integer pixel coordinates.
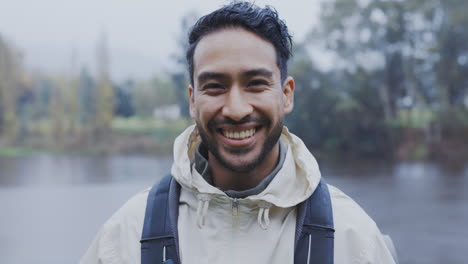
(233, 50)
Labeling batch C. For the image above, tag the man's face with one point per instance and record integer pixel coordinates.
(238, 100)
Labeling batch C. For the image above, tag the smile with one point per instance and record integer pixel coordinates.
(238, 134)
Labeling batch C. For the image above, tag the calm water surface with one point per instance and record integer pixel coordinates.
(52, 206)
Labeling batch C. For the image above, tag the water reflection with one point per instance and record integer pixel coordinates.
(422, 205)
(54, 169)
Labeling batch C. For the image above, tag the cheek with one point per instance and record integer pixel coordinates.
(270, 104)
(207, 108)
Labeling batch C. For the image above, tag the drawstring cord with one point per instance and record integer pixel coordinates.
(202, 209)
(263, 218)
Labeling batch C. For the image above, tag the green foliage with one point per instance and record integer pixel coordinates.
(454, 119)
(123, 105)
(314, 100)
(148, 95)
(404, 66)
(87, 100)
(160, 129)
(419, 152)
(179, 77)
(399, 85)
(14, 152)
(414, 118)
(10, 80)
(337, 111)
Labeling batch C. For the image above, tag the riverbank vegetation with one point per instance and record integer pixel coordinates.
(385, 79)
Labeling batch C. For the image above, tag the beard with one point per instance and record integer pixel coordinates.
(214, 148)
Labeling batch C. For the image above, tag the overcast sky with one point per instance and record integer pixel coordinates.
(141, 33)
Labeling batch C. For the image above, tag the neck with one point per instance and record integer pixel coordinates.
(226, 179)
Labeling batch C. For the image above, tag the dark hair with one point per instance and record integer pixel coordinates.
(262, 21)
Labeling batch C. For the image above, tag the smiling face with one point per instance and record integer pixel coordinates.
(238, 100)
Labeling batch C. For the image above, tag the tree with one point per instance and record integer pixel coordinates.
(413, 39)
(123, 104)
(452, 47)
(57, 110)
(180, 77)
(150, 94)
(10, 75)
(373, 36)
(87, 99)
(336, 111)
(104, 91)
(71, 97)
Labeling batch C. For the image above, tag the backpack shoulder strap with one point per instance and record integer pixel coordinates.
(159, 236)
(314, 229)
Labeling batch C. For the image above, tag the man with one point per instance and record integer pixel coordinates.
(243, 176)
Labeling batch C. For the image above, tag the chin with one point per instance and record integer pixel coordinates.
(240, 162)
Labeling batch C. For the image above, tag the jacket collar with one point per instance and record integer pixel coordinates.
(294, 182)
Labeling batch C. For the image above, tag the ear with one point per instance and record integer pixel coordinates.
(288, 95)
(191, 92)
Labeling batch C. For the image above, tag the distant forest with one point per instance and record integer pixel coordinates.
(397, 87)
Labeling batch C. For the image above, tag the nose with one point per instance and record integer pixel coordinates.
(236, 105)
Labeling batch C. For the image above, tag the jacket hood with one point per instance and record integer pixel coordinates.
(294, 183)
(209, 232)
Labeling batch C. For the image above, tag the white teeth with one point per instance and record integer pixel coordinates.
(239, 135)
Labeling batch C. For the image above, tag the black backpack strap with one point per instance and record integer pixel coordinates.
(314, 229)
(159, 236)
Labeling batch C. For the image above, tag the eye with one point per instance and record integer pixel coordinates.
(258, 83)
(212, 86)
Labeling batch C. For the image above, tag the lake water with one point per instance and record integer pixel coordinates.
(52, 206)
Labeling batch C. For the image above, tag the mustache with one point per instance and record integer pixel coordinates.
(228, 121)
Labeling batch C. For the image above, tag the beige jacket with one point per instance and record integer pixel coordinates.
(260, 229)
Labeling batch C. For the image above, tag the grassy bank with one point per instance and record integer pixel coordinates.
(131, 135)
(412, 140)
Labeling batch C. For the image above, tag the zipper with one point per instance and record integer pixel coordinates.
(235, 207)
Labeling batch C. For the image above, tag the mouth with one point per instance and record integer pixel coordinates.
(238, 135)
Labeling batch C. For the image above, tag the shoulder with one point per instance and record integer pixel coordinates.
(357, 237)
(133, 210)
(118, 240)
(344, 206)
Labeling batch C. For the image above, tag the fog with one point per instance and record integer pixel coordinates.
(141, 34)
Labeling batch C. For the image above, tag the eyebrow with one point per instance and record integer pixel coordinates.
(205, 76)
(257, 72)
